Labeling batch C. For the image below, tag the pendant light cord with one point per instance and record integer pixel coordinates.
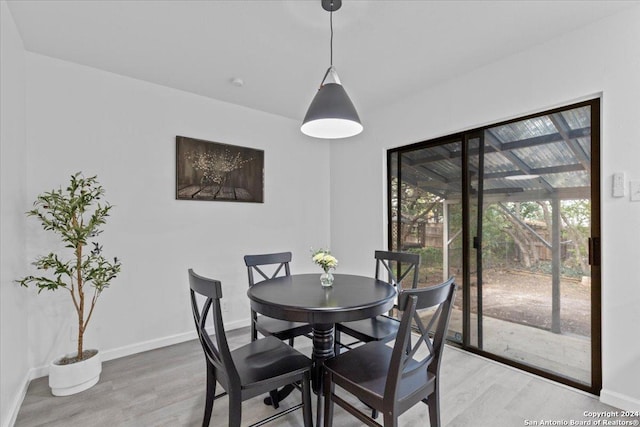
(331, 40)
(330, 47)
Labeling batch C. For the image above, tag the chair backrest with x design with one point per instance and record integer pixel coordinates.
(278, 263)
(398, 266)
(411, 357)
(218, 353)
(264, 267)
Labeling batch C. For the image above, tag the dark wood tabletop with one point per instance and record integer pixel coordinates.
(301, 298)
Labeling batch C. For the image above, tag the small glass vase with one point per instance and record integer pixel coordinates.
(326, 279)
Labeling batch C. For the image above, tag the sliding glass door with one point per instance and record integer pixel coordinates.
(512, 211)
(425, 214)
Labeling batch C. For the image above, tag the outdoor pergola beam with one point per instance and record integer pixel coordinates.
(556, 262)
(508, 146)
(440, 182)
(576, 167)
(424, 171)
(514, 159)
(435, 158)
(439, 190)
(563, 128)
(546, 139)
(511, 194)
(568, 193)
(430, 174)
(505, 190)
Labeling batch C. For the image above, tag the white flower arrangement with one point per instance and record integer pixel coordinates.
(324, 259)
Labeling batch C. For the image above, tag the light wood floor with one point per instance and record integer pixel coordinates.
(165, 387)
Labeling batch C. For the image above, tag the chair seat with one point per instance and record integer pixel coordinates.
(281, 329)
(366, 368)
(266, 359)
(376, 329)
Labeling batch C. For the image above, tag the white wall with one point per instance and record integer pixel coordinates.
(123, 130)
(601, 58)
(13, 306)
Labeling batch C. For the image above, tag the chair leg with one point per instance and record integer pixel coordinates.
(235, 409)
(306, 400)
(390, 420)
(254, 331)
(291, 341)
(434, 407)
(336, 342)
(319, 409)
(273, 394)
(211, 393)
(328, 402)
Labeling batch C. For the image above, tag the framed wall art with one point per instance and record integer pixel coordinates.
(207, 170)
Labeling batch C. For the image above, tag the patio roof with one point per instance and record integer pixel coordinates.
(537, 158)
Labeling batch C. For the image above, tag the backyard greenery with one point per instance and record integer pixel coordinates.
(514, 234)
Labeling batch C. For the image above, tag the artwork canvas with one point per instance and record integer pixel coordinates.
(208, 170)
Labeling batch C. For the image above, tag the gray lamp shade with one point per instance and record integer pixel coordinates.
(331, 114)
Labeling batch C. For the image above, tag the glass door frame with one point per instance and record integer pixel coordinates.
(594, 240)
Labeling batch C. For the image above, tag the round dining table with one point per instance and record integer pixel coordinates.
(301, 298)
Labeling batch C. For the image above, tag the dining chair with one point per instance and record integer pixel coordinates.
(398, 266)
(393, 379)
(270, 266)
(248, 371)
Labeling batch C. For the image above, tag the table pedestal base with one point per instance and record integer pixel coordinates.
(322, 350)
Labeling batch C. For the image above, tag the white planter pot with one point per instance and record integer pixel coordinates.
(65, 380)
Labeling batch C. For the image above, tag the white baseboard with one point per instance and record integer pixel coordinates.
(620, 401)
(128, 350)
(140, 347)
(231, 326)
(17, 401)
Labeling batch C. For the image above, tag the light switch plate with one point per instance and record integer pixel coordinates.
(617, 189)
(634, 188)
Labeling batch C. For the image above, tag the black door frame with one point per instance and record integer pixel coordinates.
(594, 241)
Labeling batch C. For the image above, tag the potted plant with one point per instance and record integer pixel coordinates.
(75, 215)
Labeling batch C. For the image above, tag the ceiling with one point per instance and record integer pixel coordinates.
(383, 50)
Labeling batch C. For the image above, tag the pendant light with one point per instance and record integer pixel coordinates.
(331, 114)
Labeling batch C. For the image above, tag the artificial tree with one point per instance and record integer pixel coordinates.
(75, 215)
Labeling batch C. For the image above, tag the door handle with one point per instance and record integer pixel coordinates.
(594, 251)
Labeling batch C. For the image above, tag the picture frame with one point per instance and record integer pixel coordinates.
(213, 171)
